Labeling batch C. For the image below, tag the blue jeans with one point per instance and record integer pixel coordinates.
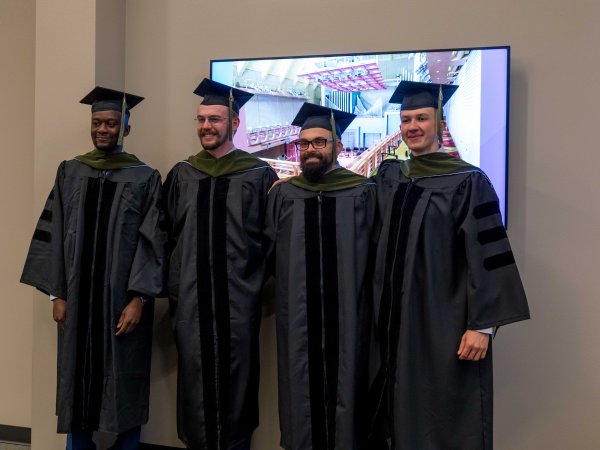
(82, 440)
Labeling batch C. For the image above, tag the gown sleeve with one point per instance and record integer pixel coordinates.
(147, 275)
(170, 198)
(495, 294)
(170, 194)
(45, 264)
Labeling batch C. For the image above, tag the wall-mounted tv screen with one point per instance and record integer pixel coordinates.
(476, 115)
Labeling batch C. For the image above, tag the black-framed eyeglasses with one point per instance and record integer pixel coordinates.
(212, 120)
(302, 144)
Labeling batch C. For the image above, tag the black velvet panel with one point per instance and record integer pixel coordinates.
(331, 310)
(486, 209)
(315, 323)
(41, 235)
(500, 260)
(491, 235)
(89, 378)
(378, 400)
(46, 215)
(222, 320)
(413, 194)
(205, 315)
(405, 200)
(82, 378)
(99, 320)
(386, 300)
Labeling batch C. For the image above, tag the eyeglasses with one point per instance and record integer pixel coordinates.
(212, 120)
(302, 144)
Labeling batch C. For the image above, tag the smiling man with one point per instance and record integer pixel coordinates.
(98, 251)
(444, 277)
(419, 130)
(319, 229)
(215, 207)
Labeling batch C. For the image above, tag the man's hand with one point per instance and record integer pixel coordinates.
(473, 346)
(281, 180)
(130, 316)
(59, 312)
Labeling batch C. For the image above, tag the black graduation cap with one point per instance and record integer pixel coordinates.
(104, 99)
(215, 93)
(316, 116)
(415, 95)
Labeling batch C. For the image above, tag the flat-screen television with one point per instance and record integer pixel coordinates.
(476, 115)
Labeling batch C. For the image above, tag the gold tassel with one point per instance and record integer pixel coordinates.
(334, 138)
(123, 121)
(439, 114)
(230, 117)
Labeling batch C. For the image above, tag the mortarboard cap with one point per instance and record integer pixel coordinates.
(215, 93)
(415, 95)
(316, 116)
(104, 99)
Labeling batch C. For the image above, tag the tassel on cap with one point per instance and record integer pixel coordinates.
(123, 122)
(440, 115)
(230, 117)
(334, 138)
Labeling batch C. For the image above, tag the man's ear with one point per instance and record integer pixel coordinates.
(340, 147)
(126, 130)
(235, 123)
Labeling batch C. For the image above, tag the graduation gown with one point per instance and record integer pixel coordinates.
(215, 210)
(444, 266)
(320, 238)
(97, 243)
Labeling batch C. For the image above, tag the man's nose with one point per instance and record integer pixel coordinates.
(411, 124)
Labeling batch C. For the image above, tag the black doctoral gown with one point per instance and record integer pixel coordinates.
(215, 210)
(320, 239)
(444, 266)
(97, 243)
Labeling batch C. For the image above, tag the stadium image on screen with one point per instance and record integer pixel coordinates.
(476, 115)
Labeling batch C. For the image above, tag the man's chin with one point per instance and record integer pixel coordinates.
(210, 145)
(108, 148)
(313, 172)
(418, 150)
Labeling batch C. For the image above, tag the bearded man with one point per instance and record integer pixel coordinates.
(319, 228)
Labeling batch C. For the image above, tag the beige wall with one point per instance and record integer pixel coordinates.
(64, 72)
(547, 390)
(17, 53)
(110, 43)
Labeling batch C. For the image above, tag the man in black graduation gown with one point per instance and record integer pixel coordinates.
(444, 276)
(215, 206)
(98, 251)
(319, 227)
